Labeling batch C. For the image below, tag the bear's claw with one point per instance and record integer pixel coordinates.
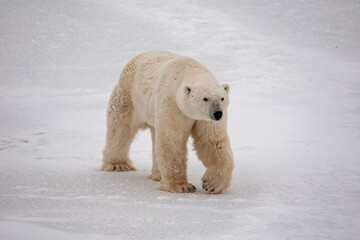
(211, 187)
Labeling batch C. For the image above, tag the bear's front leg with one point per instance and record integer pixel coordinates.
(171, 154)
(212, 145)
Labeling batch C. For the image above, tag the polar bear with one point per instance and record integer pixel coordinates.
(174, 96)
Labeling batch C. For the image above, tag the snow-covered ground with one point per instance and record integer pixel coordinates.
(294, 119)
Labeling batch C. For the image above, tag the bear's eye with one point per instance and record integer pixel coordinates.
(222, 99)
(205, 99)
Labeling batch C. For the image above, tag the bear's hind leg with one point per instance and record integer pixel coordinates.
(155, 173)
(121, 130)
(116, 152)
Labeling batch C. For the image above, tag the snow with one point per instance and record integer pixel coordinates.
(294, 119)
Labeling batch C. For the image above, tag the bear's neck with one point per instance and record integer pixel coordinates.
(199, 80)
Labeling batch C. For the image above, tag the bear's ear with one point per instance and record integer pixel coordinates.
(187, 90)
(226, 87)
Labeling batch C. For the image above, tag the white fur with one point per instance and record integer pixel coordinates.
(165, 92)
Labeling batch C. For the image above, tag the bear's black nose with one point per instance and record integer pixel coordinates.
(217, 115)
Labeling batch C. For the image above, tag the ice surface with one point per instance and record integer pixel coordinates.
(294, 119)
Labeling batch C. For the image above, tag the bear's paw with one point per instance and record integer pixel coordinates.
(118, 167)
(155, 177)
(179, 188)
(214, 181)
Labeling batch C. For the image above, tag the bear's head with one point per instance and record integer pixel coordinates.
(203, 102)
